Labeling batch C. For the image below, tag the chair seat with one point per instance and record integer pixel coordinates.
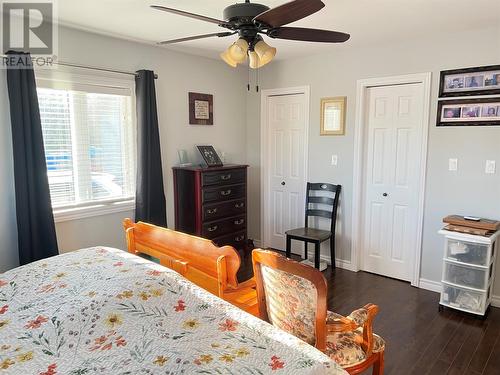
(310, 233)
(345, 347)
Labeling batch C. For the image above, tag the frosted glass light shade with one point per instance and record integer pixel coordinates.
(265, 52)
(227, 59)
(238, 51)
(254, 60)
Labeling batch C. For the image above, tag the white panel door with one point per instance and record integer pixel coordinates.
(395, 121)
(286, 166)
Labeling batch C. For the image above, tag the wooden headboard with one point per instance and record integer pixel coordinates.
(198, 260)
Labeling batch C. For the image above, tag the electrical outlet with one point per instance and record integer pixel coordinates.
(490, 167)
(335, 160)
(453, 165)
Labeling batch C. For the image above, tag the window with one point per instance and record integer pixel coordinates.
(88, 126)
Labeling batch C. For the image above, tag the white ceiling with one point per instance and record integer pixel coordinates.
(368, 21)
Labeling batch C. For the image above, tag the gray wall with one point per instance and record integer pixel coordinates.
(179, 73)
(468, 191)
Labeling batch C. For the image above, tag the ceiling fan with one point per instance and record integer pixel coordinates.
(251, 20)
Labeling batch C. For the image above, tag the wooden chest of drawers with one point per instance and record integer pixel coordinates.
(212, 203)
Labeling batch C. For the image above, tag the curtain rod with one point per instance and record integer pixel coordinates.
(62, 63)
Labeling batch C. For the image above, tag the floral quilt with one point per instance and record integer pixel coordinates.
(105, 311)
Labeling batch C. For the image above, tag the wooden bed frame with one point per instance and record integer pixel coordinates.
(198, 260)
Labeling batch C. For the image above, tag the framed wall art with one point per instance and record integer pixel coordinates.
(484, 80)
(201, 109)
(333, 115)
(210, 156)
(469, 112)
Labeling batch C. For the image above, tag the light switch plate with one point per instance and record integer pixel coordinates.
(490, 167)
(335, 160)
(453, 165)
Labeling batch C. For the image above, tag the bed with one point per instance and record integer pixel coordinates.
(106, 311)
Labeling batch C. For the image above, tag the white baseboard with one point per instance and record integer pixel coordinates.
(433, 286)
(495, 301)
(344, 264)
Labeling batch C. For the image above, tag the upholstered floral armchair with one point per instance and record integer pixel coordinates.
(292, 296)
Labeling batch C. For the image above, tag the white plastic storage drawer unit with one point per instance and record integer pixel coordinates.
(463, 299)
(468, 271)
(465, 275)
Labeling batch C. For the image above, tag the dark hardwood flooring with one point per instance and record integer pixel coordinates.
(420, 339)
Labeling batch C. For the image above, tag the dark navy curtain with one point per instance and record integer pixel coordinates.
(35, 221)
(150, 203)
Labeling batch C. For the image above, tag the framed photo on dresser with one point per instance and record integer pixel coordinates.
(210, 156)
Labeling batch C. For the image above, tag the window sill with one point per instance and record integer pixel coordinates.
(69, 214)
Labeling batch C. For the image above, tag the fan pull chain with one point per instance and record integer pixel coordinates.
(248, 84)
(257, 82)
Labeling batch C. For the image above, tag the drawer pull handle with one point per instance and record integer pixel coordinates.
(239, 238)
(213, 229)
(225, 193)
(212, 210)
(239, 222)
(225, 177)
(239, 205)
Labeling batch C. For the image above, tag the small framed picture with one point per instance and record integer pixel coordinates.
(210, 156)
(484, 80)
(201, 109)
(333, 115)
(469, 112)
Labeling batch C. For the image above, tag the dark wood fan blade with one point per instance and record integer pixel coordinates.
(220, 35)
(289, 12)
(191, 15)
(309, 35)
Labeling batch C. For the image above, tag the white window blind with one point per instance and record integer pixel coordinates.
(89, 137)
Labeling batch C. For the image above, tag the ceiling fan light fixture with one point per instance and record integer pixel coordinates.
(250, 21)
(226, 56)
(238, 50)
(265, 52)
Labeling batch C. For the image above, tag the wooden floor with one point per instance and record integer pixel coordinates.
(420, 339)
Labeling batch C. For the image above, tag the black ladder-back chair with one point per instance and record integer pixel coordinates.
(312, 235)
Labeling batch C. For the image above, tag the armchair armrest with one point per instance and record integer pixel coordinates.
(368, 328)
(337, 323)
(358, 318)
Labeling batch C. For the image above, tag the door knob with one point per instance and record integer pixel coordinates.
(385, 194)
(283, 183)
